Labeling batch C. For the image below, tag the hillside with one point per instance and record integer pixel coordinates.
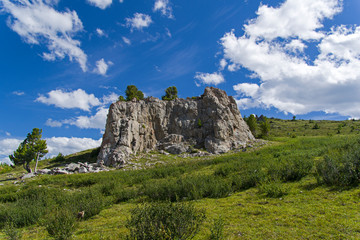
(279, 189)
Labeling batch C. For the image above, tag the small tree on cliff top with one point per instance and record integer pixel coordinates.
(170, 94)
(132, 92)
(31, 149)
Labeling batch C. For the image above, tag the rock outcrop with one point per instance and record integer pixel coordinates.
(212, 121)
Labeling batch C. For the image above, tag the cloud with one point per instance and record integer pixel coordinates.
(209, 78)
(53, 123)
(7, 147)
(222, 64)
(112, 97)
(292, 19)
(102, 4)
(55, 145)
(100, 32)
(75, 99)
(164, 7)
(126, 40)
(18, 93)
(37, 22)
(290, 79)
(139, 21)
(96, 121)
(102, 67)
(71, 145)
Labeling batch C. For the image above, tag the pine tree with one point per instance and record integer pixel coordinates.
(265, 127)
(252, 123)
(170, 93)
(132, 92)
(31, 149)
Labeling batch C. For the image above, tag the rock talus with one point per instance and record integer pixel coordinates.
(211, 121)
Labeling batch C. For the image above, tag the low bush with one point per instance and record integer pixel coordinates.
(90, 200)
(164, 221)
(291, 169)
(11, 232)
(248, 179)
(60, 224)
(272, 189)
(340, 168)
(4, 168)
(190, 187)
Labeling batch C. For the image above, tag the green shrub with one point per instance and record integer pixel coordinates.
(60, 158)
(199, 123)
(60, 224)
(91, 201)
(4, 168)
(12, 232)
(340, 168)
(272, 189)
(190, 187)
(217, 229)
(164, 221)
(291, 169)
(248, 179)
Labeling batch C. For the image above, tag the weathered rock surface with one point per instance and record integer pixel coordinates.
(212, 121)
(73, 168)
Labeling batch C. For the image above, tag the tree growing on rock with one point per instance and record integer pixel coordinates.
(31, 149)
(132, 92)
(170, 94)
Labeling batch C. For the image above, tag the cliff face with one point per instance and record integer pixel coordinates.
(211, 121)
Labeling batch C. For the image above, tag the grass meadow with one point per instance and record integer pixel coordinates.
(301, 184)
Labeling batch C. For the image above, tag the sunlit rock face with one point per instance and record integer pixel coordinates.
(211, 121)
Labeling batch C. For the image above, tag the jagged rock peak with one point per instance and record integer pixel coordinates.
(211, 121)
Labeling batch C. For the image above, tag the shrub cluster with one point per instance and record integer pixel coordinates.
(164, 221)
(340, 167)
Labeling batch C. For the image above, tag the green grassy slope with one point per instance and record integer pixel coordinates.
(267, 192)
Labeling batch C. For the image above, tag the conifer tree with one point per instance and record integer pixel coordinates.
(132, 92)
(252, 123)
(170, 93)
(31, 149)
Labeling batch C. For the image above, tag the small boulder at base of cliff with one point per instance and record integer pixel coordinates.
(212, 121)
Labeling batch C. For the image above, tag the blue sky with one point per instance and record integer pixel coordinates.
(62, 63)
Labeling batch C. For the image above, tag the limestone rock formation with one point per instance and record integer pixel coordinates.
(212, 121)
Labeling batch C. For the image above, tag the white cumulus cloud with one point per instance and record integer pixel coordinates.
(273, 48)
(102, 67)
(71, 145)
(37, 22)
(102, 4)
(96, 121)
(293, 18)
(164, 7)
(75, 99)
(55, 145)
(209, 78)
(139, 21)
